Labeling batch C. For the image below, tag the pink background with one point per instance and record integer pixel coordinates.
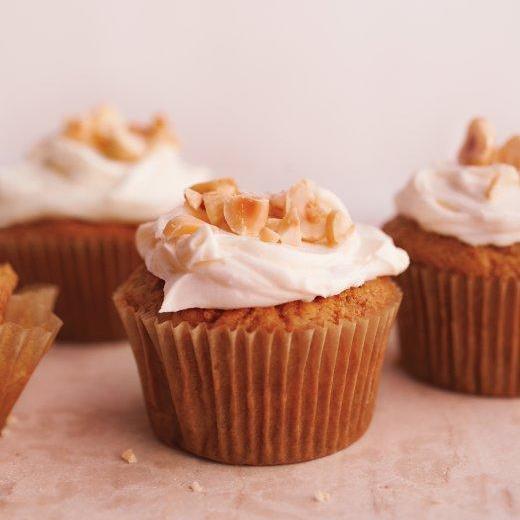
(354, 94)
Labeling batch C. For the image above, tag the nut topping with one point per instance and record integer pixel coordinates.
(289, 229)
(193, 198)
(278, 204)
(181, 225)
(339, 227)
(304, 215)
(312, 216)
(479, 147)
(268, 235)
(509, 153)
(214, 206)
(246, 215)
(273, 223)
(106, 131)
(225, 186)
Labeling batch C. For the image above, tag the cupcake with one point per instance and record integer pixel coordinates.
(460, 224)
(68, 213)
(27, 331)
(259, 323)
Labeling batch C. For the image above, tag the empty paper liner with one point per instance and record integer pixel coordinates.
(257, 397)
(28, 332)
(461, 332)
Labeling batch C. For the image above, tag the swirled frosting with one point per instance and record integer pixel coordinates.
(64, 178)
(479, 205)
(213, 268)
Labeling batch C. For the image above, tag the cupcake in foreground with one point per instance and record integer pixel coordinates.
(69, 212)
(460, 224)
(259, 323)
(27, 331)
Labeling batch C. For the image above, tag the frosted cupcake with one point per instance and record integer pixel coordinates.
(68, 213)
(27, 331)
(460, 224)
(259, 323)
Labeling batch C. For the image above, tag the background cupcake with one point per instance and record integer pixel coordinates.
(27, 331)
(68, 213)
(259, 323)
(460, 224)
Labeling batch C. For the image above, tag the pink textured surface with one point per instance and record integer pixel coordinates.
(428, 453)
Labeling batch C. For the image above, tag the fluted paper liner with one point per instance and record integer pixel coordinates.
(27, 334)
(87, 272)
(258, 397)
(461, 332)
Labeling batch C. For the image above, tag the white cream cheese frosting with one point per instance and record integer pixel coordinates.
(64, 178)
(213, 268)
(479, 205)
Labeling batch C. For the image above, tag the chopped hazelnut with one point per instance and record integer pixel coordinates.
(479, 147)
(338, 227)
(273, 223)
(268, 235)
(193, 198)
(289, 229)
(105, 130)
(312, 217)
(214, 206)
(181, 225)
(246, 215)
(509, 153)
(224, 185)
(278, 204)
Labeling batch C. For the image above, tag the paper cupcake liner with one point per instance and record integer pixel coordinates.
(87, 271)
(258, 397)
(461, 332)
(27, 334)
(8, 281)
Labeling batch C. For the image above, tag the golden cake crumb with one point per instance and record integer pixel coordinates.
(321, 496)
(11, 419)
(129, 456)
(195, 487)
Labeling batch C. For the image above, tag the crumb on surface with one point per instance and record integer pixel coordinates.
(11, 419)
(195, 487)
(321, 496)
(129, 456)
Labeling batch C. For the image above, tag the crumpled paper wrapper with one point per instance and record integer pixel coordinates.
(87, 271)
(461, 332)
(258, 397)
(27, 333)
